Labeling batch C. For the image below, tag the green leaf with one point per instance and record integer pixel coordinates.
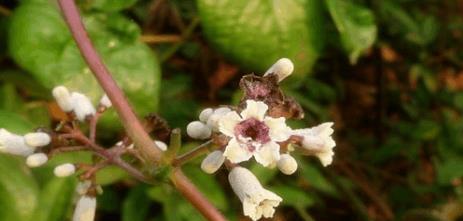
(257, 33)
(110, 174)
(294, 196)
(18, 190)
(55, 200)
(316, 179)
(449, 169)
(136, 205)
(52, 57)
(356, 26)
(14, 123)
(111, 5)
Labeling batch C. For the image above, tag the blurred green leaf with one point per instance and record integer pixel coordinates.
(449, 169)
(316, 179)
(55, 199)
(110, 174)
(14, 123)
(58, 61)
(257, 33)
(294, 196)
(110, 5)
(18, 190)
(136, 205)
(356, 26)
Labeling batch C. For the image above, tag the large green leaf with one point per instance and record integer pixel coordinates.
(40, 42)
(55, 199)
(136, 205)
(14, 123)
(18, 190)
(355, 24)
(256, 33)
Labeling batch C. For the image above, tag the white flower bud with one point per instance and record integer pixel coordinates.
(64, 170)
(198, 130)
(287, 164)
(63, 98)
(213, 162)
(282, 68)
(38, 139)
(14, 144)
(205, 114)
(83, 107)
(105, 102)
(161, 145)
(85, 209)
(213, 121)
(36, 160)
(82, 187)
(257, 201)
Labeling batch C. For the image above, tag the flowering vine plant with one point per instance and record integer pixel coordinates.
(254, 129)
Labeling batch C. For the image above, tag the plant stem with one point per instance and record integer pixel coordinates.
(189, 191)
(199, 150)
(131, 123)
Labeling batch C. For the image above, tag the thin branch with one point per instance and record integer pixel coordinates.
(67, 149)
(197, 151)
(194, 196)
(129, 120)
(185, 35)
(156, 39)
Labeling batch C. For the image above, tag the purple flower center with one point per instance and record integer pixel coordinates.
(254, 129)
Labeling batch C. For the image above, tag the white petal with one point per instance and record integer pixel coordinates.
(105, 102)
(324, 130)
(212, 162)
(83, 107)
(63, 98)
(213, 121)
(85, 209)
(254, 109)
(268, 154)
(279, 131)
(250, 210)
(326, 158)
(205, 114)
(235, 153)
(228, 122)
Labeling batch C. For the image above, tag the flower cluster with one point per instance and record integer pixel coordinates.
(257, 129)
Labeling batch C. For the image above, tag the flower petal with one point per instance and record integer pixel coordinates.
(268, 154)
(251, 210)
(256, 109)
(326, 157)
(228, 122)
(235, 153)
(278, 130)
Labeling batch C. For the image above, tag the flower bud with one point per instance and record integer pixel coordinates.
(213, 162)
(205, 114)
(82, 187)
(36, 160)
(85, 209)
(83, 107)
(287, 164)
(14, 144)
(105, 102)
(282, 68)
(213, 121)
(38, 139)
(162, 146)
(198, 130)
(63, 98)
(64, 170)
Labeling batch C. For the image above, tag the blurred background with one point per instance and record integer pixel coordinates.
(389, 74)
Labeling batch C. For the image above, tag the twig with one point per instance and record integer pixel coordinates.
(189, 191)
(67, 149)
(92, 125)
(171, 51)
(197, 151)
(131, 123)
(153, 39)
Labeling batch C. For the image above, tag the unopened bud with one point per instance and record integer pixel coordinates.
(162, 146)
(36, 160)
(198, 130)
(64, 170)
(213, 121)
(14, 144)
(212, 162)
(282, 68)
(205, 114)
(63, 98)
(85, 209)
(105, 102)
(82, 187)
(83, 107)
(38, 139)
(287, 164)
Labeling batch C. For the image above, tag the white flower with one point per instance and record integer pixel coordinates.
(253, 134)
(36, 160)
(213, 120)
(212, 162)
(105, 102)
(282, 68)
(162, 146)
(14, 144)
(64, 170)
(85, 209)
(287, 164)
(83, 107)
(37, 139)
(63, 98)
(205, 114)
(318, 141)
(198, 130)
(256, 200)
